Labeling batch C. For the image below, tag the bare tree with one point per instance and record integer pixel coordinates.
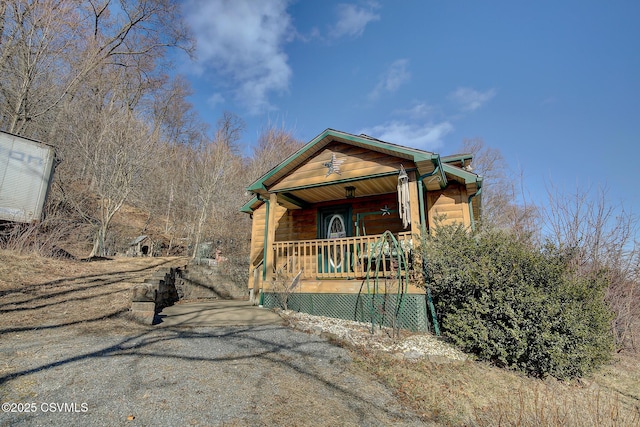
(600, 237)
(274, 145)
(214, 169)
(49, 48)
(36, 40)
(167, 189)
(79, 75)
(174, 115)
(112, 151)
(87, 76)
(504, 204)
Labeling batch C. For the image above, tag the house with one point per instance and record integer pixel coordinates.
(336, 226)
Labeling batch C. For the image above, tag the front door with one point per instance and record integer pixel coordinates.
(335, 223)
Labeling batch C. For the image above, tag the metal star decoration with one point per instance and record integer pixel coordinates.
(386, 210)
(333, 166)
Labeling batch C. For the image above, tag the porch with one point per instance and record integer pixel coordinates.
(345, 258)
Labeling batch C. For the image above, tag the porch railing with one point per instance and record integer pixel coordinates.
(344, 258)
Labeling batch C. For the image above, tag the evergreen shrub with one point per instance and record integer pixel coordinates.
(516, 304)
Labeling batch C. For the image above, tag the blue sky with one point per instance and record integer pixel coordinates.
(554, 85)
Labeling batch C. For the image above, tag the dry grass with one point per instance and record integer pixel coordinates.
(20, 270)
(473, 393)
(38, 292)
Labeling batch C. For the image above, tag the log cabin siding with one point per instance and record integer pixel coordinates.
(449, 206)
(378, 223)
(259, 227)
(257, 235)
(299, 224)
(256, 253)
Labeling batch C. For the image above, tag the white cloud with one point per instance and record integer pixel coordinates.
(394, 77)
(470, 99)
(422, 136)
(353, 19)
(418, 111)
(243, 41)
(215, 100)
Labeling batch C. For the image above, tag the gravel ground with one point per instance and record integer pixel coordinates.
(410, 346)
(268, 375)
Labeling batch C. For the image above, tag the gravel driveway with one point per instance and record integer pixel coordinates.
(172, 376)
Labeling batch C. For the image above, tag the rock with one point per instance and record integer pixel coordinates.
(143, 306)
(143, 311)
(143, 293)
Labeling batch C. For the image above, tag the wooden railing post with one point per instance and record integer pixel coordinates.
(271, 237)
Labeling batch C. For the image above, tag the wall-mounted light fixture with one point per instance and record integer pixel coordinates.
(350, 192)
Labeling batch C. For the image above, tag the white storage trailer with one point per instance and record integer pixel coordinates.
(26, 169)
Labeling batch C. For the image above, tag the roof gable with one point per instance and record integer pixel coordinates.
(317, 149)
(338, 161)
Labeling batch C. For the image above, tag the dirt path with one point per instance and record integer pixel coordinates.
(67, 344)
(217, 313)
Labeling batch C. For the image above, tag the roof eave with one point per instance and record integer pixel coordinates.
(467, 177)
(457, 158)
(250, 206)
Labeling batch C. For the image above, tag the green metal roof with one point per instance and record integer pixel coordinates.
(251, 205)
(456, 158)
(469, 177)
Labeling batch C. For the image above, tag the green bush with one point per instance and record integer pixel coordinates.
(517, 305)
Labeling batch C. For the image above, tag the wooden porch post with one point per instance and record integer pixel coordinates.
(271, 237)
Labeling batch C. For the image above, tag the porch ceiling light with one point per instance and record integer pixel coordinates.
(350, 192)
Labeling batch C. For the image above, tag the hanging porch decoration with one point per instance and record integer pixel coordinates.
(403, 197)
